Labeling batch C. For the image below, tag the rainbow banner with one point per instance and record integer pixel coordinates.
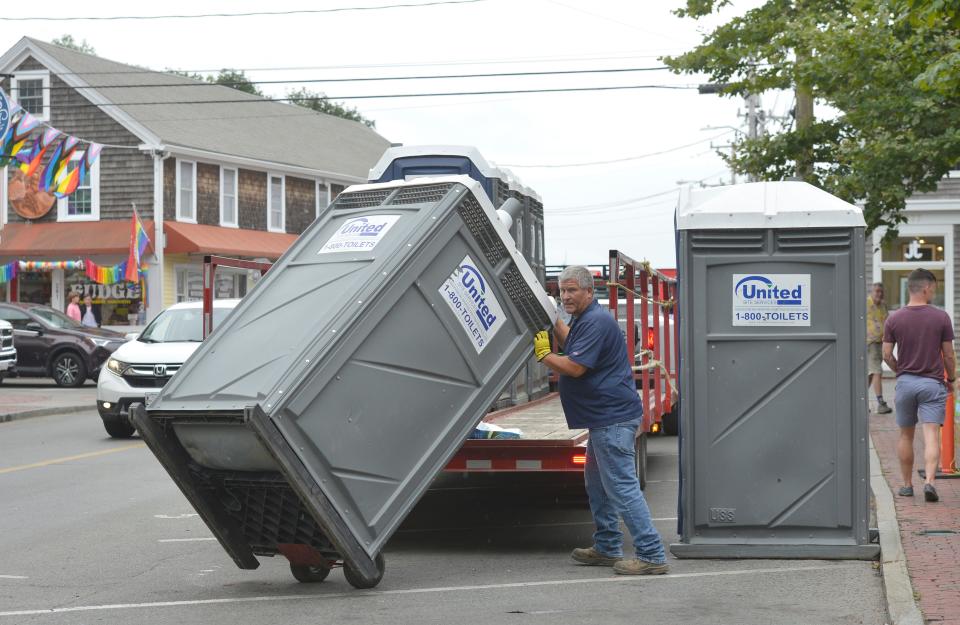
(50, 265)
(58, 165)
(17, 136)
(109, 275)
(138, 243)
(30, 159)
(8, 272)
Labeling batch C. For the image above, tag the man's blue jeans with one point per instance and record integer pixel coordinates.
(614, 491)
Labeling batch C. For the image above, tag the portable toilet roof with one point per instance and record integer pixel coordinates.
(785, 204)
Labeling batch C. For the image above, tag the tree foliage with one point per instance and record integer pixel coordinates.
(887, 67)
(320, 103)
(67, 41)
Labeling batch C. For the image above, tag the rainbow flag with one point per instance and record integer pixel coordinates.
(22, 124)
(30, 159)
(59, 162)
(138, 243)
(8, 272)
(105, 275)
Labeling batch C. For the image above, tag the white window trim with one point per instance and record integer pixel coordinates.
(938, 230)
(63, 203)
(326, 186)
(236, 199)
(188, 220)
(33, 74)
(283, 202)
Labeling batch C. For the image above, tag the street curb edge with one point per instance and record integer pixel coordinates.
(901, 604)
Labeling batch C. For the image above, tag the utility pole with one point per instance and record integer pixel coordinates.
(804, 118)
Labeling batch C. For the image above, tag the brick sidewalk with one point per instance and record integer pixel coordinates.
(932, 561)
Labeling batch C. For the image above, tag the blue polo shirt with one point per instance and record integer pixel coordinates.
(606, 393)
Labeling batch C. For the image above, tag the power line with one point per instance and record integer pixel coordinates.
(511, 61)
(199, 83)
(77, 18)
(259, 100)
(627, 158)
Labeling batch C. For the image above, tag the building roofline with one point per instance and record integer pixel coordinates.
(26, 47)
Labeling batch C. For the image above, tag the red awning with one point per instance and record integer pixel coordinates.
(68, 240)
(199, 239)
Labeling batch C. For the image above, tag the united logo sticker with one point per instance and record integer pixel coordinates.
(359, 234)
(473, 303)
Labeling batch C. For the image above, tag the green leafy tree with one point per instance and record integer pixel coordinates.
(235, 79)
(67, 41)
(894, 132)
(319, 102)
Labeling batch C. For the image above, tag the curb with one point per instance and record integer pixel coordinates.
(901, 604)
(44, 412)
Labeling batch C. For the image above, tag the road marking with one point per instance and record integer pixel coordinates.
(14, 577)
(185, 540)
(92, 454)
(176, 516)
(441, 589)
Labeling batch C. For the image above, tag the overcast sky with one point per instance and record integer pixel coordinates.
(589, 208)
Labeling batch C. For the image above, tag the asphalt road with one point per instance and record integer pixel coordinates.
(93, 531)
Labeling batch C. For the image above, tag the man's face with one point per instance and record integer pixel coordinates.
(575, 298)
(877, 294)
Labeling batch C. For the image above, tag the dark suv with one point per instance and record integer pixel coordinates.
(51, 344)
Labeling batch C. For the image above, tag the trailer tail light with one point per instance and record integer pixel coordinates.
(651, 337)
(655, 427)
(580, 459)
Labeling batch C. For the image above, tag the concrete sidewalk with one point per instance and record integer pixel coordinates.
(21, 398)
(929, 532)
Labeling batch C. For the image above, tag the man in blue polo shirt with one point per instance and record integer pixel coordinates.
(597, 392)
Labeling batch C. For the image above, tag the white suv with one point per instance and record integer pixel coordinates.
(8, 354)
(145, 364)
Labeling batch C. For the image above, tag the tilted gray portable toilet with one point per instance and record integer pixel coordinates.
(313, 418)
(773, 437)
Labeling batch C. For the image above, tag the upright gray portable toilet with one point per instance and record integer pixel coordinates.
(313, 418)
(773, 437)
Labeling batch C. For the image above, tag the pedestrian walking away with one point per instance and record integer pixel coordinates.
(597, 392)
(923, 336)
(876, 316)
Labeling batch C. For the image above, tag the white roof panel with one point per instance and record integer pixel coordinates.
(764, 205)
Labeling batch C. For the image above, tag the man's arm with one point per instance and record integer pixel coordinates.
(888, 356)
(563, 365)
(949, 361)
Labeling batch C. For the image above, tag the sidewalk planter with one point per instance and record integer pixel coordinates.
(773, 438)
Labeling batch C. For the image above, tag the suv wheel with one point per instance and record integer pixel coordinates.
(68, 369)
(117, 426)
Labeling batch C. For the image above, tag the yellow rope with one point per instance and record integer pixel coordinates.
(667, 304)
(655, 364)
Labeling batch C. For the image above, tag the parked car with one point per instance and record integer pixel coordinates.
(51, 344)
(8, 353)
(145, 364)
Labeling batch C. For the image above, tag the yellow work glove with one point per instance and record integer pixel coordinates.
(541, 344)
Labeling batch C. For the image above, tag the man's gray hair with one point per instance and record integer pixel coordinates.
(579, 273)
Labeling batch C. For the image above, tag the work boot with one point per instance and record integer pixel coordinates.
(592, 557)
(883, 408)
(640, 567)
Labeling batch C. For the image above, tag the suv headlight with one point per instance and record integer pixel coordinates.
(116, 366)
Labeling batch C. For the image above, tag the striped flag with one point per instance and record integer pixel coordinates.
(138, 243)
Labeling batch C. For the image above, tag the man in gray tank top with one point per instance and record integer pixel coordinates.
(923, 335)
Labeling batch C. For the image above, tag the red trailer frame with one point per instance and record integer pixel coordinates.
(210, 264)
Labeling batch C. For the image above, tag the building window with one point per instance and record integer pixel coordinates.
(187, 191)
(275, 204)
(229, 284)
(323, 197)
(32, 90)
(917, 246)
(228, 197)
(84, 203)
